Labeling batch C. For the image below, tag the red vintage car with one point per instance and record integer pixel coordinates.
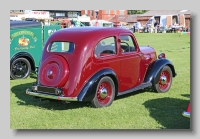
(97, 64)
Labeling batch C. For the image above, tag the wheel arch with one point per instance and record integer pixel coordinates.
(154, 73)
(88, 92)
(24, 55)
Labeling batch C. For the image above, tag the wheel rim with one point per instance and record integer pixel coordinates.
(104, 93)
(164, 81)
(19, 69)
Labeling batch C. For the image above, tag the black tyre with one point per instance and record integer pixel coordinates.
(20, 68)
(105, 93)
(165, 80)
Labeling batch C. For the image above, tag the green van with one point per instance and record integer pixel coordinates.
(27, 39)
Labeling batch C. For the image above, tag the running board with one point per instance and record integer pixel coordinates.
(142, 86)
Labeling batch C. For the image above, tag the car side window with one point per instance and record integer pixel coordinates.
(106, 47)
(127, 44)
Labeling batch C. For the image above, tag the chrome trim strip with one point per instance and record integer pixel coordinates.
(29, 92)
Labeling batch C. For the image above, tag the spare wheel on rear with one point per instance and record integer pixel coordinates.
(54, 71)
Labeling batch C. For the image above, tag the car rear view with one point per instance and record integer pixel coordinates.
(54, 70)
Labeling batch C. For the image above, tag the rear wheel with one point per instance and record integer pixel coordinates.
(20, 68)
(165, 80)
(105, 93)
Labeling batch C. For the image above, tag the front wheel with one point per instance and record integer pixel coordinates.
(105, 93)
(20, 68)
(165, 80)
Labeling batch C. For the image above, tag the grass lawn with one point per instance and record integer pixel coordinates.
(137, 110)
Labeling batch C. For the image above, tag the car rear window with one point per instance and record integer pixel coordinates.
(61, 47)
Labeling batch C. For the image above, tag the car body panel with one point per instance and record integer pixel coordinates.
(129, 67)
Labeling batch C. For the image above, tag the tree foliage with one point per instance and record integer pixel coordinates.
(136, 11)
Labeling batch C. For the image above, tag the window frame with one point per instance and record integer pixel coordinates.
(133, 42)
(97, 55)
(70, 50)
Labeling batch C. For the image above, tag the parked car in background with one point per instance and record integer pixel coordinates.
(120, 26)
(97, 64)
(101, 23)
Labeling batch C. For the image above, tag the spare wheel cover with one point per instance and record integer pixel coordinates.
(54, 71)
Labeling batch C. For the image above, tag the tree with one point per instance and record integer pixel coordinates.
(136, 11)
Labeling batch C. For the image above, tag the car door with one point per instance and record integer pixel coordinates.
(130, 60)
(106, 54)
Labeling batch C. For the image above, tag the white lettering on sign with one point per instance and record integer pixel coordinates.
(37, 14)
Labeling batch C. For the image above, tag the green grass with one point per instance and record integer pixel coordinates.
(137, 110)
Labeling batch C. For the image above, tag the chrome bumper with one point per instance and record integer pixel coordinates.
(49, 96)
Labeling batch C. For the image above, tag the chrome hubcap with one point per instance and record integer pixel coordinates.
(103, 93)
(163, 79)
(49, 73)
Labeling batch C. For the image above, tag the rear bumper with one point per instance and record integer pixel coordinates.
(50, 96)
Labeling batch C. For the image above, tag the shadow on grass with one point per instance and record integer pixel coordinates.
(186, 95)
(33, 75)
(24, 99)
(168, 112)
(135, 93)
(19, 91)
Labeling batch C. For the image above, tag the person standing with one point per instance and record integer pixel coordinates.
(133, 27)
(155, 27)
(151, 28)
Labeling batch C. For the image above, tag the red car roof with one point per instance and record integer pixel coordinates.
(84, 35)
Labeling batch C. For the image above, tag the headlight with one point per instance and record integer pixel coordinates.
(162, 55)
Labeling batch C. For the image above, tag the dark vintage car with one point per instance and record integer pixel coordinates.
(97, 64)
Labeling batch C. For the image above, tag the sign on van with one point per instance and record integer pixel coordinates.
(36, 14)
